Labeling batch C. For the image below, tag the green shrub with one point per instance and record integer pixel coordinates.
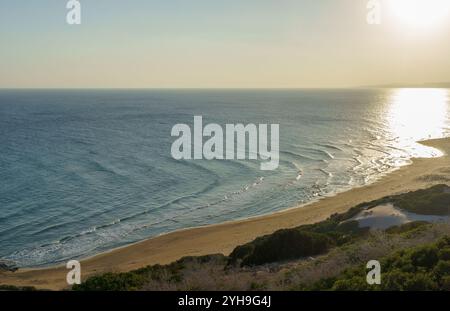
(282, 245)
(414, 269)
(303, 241)
(444, 254)
(409, 227)
(442, 270)
(445, 283)
(425, 257)
(352, 284)
(17, 288)
(133, 280)
(112, 282)
(420, 282)
(431, 201)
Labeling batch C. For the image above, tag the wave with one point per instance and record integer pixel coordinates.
(328, 174)
(100, 181)
(330, 146)
(298, 155)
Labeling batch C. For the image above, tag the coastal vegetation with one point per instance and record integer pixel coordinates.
(419, 268)
(329, 255)
(432, 201)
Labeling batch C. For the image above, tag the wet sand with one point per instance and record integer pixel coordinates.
(222, 238)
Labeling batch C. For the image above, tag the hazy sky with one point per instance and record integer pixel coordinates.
(215, 43)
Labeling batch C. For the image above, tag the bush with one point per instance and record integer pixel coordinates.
(442, 270)
(282, 245)
(353, 284)
(445, 283)
(425, 257)
(409, 227)
(444, 254)
(133, 280)
(17, 288)
(111, 282)
(415, 269)
(420, 282)
(432, 201)
(303, 241)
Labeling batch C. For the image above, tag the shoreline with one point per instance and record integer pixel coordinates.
(223, 237)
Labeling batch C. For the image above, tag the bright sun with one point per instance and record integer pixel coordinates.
(420, 13)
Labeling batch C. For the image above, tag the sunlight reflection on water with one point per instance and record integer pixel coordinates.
(418, 114)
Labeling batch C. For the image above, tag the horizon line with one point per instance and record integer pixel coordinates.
(387, 86)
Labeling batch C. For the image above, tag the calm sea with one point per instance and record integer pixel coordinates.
(84, 171)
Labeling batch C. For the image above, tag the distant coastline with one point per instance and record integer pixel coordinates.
(444, 85)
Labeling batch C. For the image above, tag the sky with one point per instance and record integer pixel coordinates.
(216, 44)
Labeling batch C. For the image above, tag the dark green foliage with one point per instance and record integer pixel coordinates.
(17, 288)
(132, 280)
(444, 254)
(284, 245)
(242, 251)
(445, 283)
(353, 284)
(410, 227)
(424, 268)
(426, 257)
(216, 258)
(311, 240)
(441, 270)
(432, 201)
(136, 279)
(405, 281)
(303, 241)
(112, 282)
(415, 269)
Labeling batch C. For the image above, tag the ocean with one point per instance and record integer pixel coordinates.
(86, 171)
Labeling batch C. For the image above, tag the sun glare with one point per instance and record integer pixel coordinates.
(420, 14)
(417, 114)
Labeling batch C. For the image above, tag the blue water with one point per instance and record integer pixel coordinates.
(86, 171)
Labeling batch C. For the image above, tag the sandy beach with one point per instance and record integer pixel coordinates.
(222, 238)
